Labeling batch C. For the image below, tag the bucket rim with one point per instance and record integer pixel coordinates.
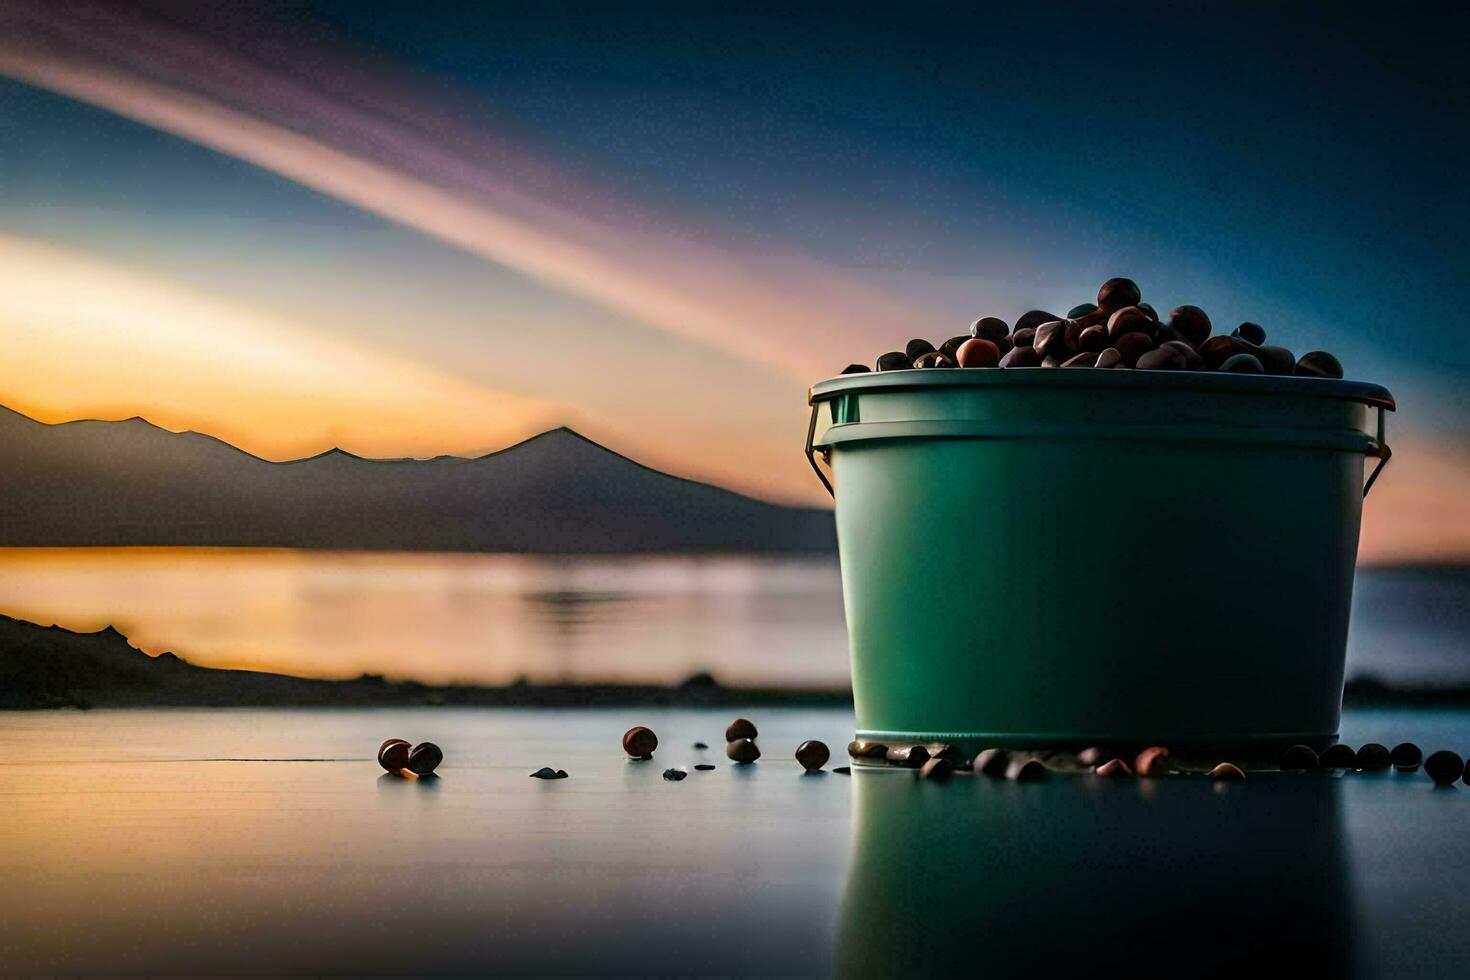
(1042, 377)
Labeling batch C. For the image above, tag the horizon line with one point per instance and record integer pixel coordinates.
(337, 451)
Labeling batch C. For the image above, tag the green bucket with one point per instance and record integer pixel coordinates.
(1062, 557)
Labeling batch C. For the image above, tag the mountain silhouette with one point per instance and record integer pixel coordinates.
(131, 483)
(51, 667)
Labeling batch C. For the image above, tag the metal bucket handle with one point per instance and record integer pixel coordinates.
(1379, 450)
(811, 452)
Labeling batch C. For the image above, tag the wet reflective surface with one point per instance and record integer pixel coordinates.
(184, 842)
(450, 618)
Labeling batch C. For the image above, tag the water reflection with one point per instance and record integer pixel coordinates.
(1142, 877)
(493, 619)
(442, 618)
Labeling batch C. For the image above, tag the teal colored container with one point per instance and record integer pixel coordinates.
(1065, 557)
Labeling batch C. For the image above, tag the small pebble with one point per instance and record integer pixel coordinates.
(1319, 364)
(1087, 358)
(1081, 310)
(1109, 358)
(918, 347)
(1051, 360)
(858, 749)
(674, 775)
(1152, 313)
(1227, 770)
(991, 328)
(843, 770)
(909, 756)
(1251, 333)
(978, 353)
(1277, 360)
(639, 742)
(1133, 346)
(1130, 319)
(945, 750)
(1242, 364)
(1020, 357)
(934, 359)
(1373, 757)
(700, 745)
(1152, 761)
(740, 728)
(1094, 338)
(1032, 319)
(1338, 756)
(546, 772)
(856, 369)
(1406, 756)
(991, 762)
(1192, 360)
(1444, 767)
(1218, 348)
(1023, 338)
(743, 751)
(1097, 318)
(1163, 359)
(705, 767)
(1191, 324)
(1114, 768)
(937, 768)
(424, 758)
(1025, 771)
(1299, 758)
(812, 755)
(393, 755)
(895, 360)
(951, 346)
(1117, 293)
(1051, 338)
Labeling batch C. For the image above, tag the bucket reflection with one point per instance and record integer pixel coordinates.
(1150, 877)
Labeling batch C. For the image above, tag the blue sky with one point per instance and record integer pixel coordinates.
(1301, 168)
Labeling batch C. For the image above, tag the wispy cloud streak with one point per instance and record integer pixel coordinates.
(786, 314)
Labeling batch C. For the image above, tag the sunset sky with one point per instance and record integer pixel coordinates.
(415, 229)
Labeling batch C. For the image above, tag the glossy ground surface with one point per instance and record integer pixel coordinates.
(270, 842)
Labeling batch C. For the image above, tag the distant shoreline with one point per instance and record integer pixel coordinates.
(48, 667)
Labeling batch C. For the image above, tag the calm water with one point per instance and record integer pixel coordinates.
(268, 841)
(439, 618)
(495, 618)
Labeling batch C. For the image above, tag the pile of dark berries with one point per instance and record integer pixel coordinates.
(1444, 766)
(939, 761)
(1118, 331)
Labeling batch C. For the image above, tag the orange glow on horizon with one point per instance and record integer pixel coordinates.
(86, 339)
(1418, 510)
